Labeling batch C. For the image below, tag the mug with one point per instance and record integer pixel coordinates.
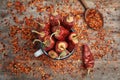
(41, 51)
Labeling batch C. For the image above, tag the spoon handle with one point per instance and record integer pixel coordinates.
(84, 4)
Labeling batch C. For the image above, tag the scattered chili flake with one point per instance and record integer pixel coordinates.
(13, 30)
(2, 47)
(46, 76)
(15, 44)
(40, 9)
(18, 67)
(19, 6)
(9, 4)
(30, 22)
(15, 19)
(26, 33)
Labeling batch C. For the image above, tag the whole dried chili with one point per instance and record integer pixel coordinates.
(88, 58)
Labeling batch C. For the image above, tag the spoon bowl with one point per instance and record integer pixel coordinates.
(93, 17)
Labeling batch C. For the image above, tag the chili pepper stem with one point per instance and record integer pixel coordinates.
(76, 37)
(52, 35)
(40, 23)
(55, 10)
(66, 50)
(42, 34)
(55, 13)
(70, 19)
(37, 40)
(58, 23)
(88, 71)
(56, 32)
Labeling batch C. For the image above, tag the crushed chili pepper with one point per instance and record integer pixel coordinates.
(2, 45)
(19, 6)
(9, 4)
(16, 20)
(18, 67)
(94, 19)
(15, 45)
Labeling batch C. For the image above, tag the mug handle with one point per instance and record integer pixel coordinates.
(38, 53)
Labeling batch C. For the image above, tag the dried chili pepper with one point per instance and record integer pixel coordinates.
(88, 58)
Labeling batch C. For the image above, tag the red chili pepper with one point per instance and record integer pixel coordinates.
(71, 46)
(42, 34)
(54, 19)
(68, 22)
(45, 27)
(60, 32)
(44, 30)
(48, 42)
(88, 58)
